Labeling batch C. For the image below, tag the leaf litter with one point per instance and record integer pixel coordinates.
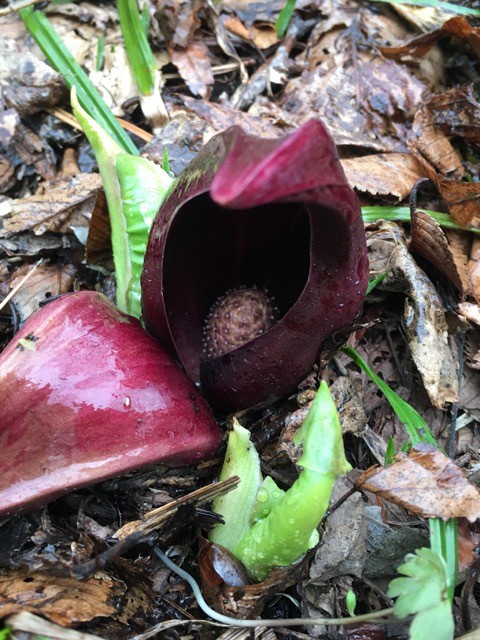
(401, 107)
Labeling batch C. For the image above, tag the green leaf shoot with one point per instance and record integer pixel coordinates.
(139, 53)
(283, 20)
(423, 593)
(62, 61)
(351, 602)
(289, 529)
(413, 421)
(134, 188)
(235, 507)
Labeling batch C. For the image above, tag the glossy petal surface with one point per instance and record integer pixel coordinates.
(86, 394)
(276, 214)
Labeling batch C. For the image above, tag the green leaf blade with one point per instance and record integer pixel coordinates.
(62, 61)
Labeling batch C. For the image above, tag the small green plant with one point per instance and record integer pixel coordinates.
(282, 525)
(443, 535)
(424, 594)
(5, 634)
(351, 602)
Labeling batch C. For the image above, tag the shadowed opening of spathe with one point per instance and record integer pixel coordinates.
(211, 250)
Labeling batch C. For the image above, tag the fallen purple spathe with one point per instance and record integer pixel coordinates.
(87, 394)
(277, 215)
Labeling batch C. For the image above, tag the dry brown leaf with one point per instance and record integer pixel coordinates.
(429, 241)
(429, 143)
(99, 242)
(468, 543)
(425, 482)
(472, 349)
(433, 150)
(470, 311)
(419, 46)
(384, 174)
(193, 64)
(26, 83)
(473, 267)
(365, 104)
(33, 150)
(235, 25)
(48, 281)
(64, 600)
(57, 206)
(457, 112)
(424, 317)
(460, 244)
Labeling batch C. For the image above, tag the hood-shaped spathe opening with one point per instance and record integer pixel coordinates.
(211, 250)
(271, 213)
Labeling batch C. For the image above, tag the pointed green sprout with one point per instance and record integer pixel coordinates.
(285, 523)
(241, 459)
(135, 189)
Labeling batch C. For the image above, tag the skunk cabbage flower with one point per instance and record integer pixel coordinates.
(87, 394)
(257, 255)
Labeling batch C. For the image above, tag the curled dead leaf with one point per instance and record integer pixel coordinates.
(424, 317)
(425, 482)
(429, 241)
(418, 47)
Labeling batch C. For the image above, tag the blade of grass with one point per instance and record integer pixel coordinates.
(438, 4)
(62, 61)
(283, 20)
(413, 421)
(443, 535)
(138, 49)
(402, 214)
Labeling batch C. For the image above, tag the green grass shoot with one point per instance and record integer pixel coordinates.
(62, 61)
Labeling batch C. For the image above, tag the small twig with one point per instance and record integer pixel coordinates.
(67, 117)
(16, 6)
(153, 519)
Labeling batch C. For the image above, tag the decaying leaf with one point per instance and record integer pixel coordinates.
(194, 66)
(425, 482)
(48, 281)
(384, 174)
(26, 83)
(428, 143)
(458, 27)
(57, 206)
(357, 101)
(424, 318)
(429, 241)
(343, 549)
(457, 112)
(63, 600)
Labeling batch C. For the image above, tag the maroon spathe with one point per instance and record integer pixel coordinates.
(276, 214)
(87, 394)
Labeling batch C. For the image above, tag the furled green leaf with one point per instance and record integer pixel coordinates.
(242, 460)
(289, 529)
